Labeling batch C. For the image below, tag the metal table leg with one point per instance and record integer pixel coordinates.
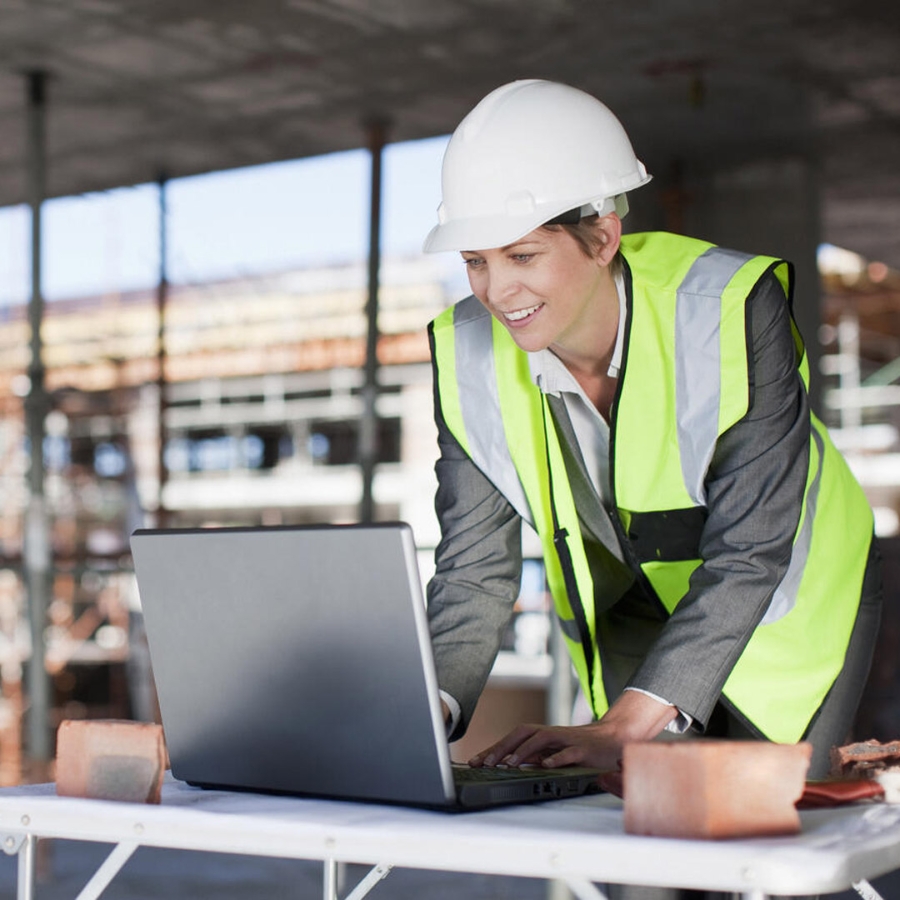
(22, 846)
(865, 890)
(108, 870)
(330, 881)
(26, 868)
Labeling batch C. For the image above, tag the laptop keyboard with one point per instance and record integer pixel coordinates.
(473, 776)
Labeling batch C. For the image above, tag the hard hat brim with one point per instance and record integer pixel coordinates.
(481, 234)
(490, 232)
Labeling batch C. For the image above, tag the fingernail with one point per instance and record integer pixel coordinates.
(488, 760)
(512, 760)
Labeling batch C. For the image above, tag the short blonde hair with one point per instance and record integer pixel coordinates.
(585, 235)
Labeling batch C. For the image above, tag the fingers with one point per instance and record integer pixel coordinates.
(535, 748)
(527, 744)
(504, 748)
(568, 756)
(552, 747)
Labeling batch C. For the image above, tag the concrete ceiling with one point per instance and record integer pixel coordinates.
(140, 87)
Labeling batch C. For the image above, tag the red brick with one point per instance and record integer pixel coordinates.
(713, 789)
(110, 760)
(863, 757)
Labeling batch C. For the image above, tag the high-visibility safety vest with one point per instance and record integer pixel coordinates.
(683, 382)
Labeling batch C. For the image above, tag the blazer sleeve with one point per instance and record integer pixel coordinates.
(478, 568)
(755, 489)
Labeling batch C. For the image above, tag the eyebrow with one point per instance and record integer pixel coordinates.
(521, 243)
(507, 248)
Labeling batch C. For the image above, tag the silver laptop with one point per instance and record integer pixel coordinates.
(298, 660)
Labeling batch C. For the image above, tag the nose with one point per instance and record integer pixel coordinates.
(500, 285)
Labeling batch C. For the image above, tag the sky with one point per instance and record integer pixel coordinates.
(238, 223)
(224, 225)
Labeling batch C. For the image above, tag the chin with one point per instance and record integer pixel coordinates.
(528, 343)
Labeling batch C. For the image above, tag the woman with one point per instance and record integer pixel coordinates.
(641, 402)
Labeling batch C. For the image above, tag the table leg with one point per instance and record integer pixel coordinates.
(329, 879)
(558, 890)
(378, 873)
(865, 890)
(108, 870)
(26, 868)
(584, 890)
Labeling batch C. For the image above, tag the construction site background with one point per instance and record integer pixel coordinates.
(258, 408)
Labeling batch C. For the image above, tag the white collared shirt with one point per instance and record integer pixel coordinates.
(550, 374)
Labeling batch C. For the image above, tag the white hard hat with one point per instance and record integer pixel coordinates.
(527, 153)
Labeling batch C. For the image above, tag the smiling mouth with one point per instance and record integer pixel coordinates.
(520, 314)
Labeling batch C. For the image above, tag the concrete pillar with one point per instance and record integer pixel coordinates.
(771, 206)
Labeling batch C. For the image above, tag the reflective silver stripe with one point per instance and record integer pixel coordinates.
(569, 627)
(479, 401)
(785, 596)
(697, 362)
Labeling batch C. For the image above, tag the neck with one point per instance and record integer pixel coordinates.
(600, 389)
(588, 351)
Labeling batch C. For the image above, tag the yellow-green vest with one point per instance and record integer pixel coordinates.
(683, 383)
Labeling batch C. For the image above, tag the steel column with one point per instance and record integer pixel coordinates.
(38, 575)
(368, 427)
(162, 295)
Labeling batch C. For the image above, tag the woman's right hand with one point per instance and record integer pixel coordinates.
(633, 717)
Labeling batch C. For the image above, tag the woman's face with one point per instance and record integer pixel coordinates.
(546, 291)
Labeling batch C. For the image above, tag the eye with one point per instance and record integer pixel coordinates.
(473, 262)
(522, 257)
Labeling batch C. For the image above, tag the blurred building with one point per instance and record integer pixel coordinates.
(860, 340)
(260, 413)
(860, 337)
(260, 409)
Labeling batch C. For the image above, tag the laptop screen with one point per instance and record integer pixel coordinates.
(295, 659)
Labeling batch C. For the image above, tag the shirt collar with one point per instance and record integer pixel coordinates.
(548, 371)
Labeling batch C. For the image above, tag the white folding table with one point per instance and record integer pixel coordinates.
(580, 842)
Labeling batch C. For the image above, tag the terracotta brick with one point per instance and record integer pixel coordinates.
(713, 789)
(864, 757)
(110, 760)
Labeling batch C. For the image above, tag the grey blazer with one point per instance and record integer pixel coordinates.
(754, 486)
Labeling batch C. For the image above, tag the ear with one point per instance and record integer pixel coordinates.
(609, 236)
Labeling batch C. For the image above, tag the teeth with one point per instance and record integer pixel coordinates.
(521, 313)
